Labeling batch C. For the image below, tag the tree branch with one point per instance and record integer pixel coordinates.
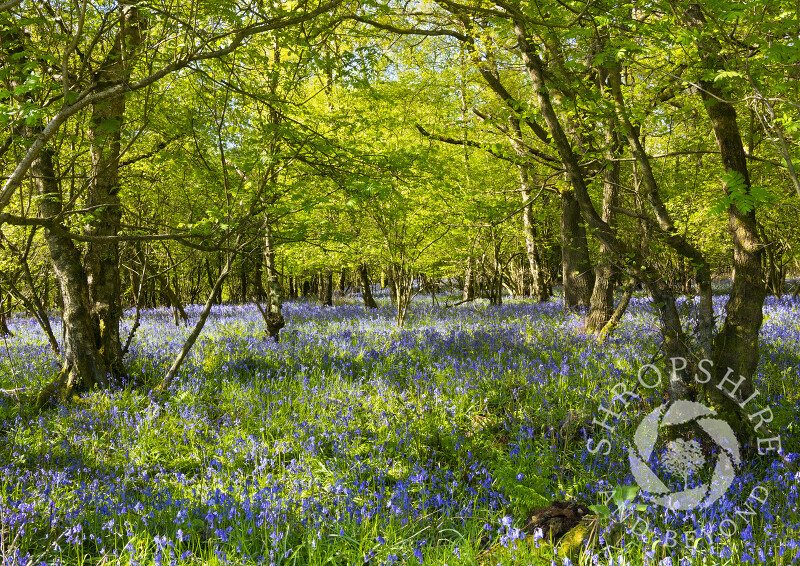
(8, 5)
(159, 146)
(87, 97)
(468, 143)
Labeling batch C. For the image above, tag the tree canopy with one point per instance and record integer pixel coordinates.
(172, 152)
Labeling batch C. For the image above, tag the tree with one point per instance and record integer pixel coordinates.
(88, 58)
(556, 76)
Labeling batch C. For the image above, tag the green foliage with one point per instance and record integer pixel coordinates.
(741, 196)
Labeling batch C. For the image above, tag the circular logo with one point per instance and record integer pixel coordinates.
(683, 458)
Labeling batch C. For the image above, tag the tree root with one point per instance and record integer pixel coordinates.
(60, 389)
(274, 324)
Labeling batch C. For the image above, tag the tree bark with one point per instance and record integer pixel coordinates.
(736, 344)
(575, 262)
(102, 258)
(274, 316)
(83, 365)
(366, 288)
(601, 305)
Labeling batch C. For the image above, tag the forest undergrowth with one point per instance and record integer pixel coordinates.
(355, 442)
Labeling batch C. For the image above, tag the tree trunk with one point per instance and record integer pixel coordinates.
(366, 288)
(102, 258)
(258, 285)
(83, 365)
(4, 330)
(575, 262)
(34, 304)
(496, 283)
(173, 300)
(601, 305)
(616, 316)
(212, 279)
(327, 286)
(391, 284)
(674, 343)
(274, 316)
(736, 344)
(402, 282)
(201, 321)
(468, 292)
(667, 230)
(539, 288)
(773, 265)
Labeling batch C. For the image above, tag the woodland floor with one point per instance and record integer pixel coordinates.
(355, 442)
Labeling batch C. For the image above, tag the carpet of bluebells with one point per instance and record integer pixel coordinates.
(355, 442)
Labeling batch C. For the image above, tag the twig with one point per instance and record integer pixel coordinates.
(461, 302)
(137, 318)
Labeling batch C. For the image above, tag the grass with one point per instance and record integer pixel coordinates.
(355, 442)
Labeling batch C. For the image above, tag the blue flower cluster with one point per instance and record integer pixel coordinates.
(355, 441)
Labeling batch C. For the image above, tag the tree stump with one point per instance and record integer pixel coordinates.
(556, 520)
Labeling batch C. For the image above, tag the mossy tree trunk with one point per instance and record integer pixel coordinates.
(366, 288)
(606, 273)
(274, 314)
(575, 262)
(84, 366)
(102, 257)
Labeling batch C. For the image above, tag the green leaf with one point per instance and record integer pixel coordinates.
(721, 75)
(109, 126)
(733, 180)
(624, 493)
(601, 510)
